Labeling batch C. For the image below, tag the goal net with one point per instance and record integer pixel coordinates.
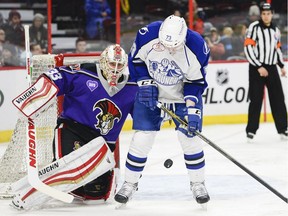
(13, 162)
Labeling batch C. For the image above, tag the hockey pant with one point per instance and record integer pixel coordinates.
(66, 174)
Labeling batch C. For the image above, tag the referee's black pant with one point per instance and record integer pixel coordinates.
(276, 98)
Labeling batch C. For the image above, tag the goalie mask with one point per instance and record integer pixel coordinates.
(173, 32)
(113, 61)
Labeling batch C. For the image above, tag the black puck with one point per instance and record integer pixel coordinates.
(168, 163)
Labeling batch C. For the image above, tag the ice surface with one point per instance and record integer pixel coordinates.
(166, 192)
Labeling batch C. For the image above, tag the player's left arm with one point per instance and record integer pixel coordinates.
(193, 89)
(195, 84)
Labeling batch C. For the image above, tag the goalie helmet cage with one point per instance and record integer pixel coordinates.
(13, 165)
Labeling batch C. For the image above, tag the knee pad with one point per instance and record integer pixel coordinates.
(142, 143)
(189, 145)
(193, 157)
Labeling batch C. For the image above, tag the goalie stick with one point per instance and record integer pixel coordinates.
(206, 140)
(32, 165)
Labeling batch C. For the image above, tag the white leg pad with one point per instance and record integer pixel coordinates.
(141, 145)
(197, 175)
(66, 174)
(192, 146)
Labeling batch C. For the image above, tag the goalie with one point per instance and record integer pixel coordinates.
(97, 100)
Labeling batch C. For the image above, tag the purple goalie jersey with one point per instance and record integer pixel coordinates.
(89, 100)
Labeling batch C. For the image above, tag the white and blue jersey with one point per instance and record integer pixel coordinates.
(178, 74)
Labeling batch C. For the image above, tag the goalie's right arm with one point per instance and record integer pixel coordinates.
(37, 98)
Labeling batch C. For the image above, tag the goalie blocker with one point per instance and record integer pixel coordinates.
(67, 174)
(36, 98)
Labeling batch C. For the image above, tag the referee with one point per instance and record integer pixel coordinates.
(263, 50)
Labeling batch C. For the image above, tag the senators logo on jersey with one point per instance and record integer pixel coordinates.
(108, 115)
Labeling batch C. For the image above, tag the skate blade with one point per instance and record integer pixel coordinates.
(15, 206)
(204, 206)
(120, 205)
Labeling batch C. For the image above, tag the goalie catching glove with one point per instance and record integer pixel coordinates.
(148, 93)
(66, 174)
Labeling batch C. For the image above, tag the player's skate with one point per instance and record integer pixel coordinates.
(200, 193)
(125, 193)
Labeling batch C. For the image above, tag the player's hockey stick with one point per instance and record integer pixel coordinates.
(32, 164)
(206, 140)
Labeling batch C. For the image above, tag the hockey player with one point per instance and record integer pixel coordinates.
(169, 62)
(96, 103)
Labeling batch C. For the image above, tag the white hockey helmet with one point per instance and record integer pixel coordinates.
(173, 31)
(113, 61)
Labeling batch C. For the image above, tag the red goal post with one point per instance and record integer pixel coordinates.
(13, 165)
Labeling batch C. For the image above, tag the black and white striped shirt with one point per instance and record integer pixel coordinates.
(262, 45)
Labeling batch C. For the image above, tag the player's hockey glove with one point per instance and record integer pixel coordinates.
(148, 93)
(193, 119)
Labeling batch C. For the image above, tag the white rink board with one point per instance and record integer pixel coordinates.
(227, 93)
(12, 83)
(165, 192)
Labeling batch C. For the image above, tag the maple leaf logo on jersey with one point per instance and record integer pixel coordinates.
(108, 115)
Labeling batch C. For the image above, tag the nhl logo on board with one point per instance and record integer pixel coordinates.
(222, 77)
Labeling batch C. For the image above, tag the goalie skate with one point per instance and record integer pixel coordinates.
(125, 193)
(200, 193)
